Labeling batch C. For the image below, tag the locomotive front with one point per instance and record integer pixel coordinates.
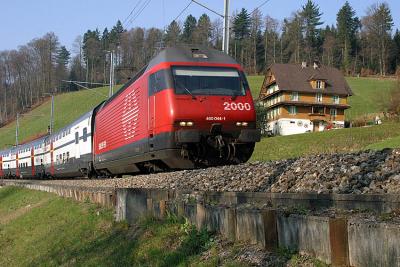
(214, 115)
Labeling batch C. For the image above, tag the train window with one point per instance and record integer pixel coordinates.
(76, 138)
(85, 134)
(159, 80)
(208, 81)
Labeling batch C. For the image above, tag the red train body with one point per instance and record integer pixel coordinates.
(150, 123)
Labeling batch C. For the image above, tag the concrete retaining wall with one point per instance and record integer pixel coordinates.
(104, 197)
(336, 241)
(374, 244)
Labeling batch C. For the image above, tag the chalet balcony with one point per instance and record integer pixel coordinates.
(318, 116)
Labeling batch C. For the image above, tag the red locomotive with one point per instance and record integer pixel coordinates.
(187, 108)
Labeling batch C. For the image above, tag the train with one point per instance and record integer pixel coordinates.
(189, 107)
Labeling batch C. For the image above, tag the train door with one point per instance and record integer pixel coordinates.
(16, 164)
(77, 148)
(33, 161)
(52, 157)
(152, 120)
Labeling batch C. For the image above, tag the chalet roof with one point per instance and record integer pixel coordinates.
(294, 77)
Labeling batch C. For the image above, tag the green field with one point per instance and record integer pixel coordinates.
(341, 140)
(369, 94)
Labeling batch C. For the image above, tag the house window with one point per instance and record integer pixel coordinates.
(318, 97)
(319, 84)
(333, 113)
(317, 110)
(336, 99)
(292, 110)
(294, 96)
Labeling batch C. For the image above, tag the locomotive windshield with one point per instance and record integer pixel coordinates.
(208, 81)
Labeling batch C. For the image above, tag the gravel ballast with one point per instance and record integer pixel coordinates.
(372, 172)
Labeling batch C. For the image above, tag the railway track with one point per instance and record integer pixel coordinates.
(365, 172)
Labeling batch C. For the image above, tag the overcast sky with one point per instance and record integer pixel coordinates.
(22, 20)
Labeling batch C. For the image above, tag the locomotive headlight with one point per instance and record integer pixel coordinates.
(186, 123)
(243, 124)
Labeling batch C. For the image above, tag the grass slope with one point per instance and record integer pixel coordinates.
(41, 229)
(44, 230)
(67, 108)
(370, 96)
(343, 140)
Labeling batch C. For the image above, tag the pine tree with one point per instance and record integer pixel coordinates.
(189, 28)
(347, 25)
(172, 34)
(311, 19)
(62, 59)
(203, 30)
(378, 25)
(241, 25)
(241, 30)
(396, 42)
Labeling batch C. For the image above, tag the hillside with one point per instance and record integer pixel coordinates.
(67, 108)
(366, 99)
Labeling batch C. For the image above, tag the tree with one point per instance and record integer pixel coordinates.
(256, 38)
(396, 58)
(203, 30)
(62, 59)
(241, 30)
(189, 27)
(271, 37)
(241, 25)
(378, 25)
(292, 39)
(216, 33)
(347, 26)
(311, 19)
(172, 34)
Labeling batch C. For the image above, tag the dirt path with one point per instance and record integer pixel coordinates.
(21, 211)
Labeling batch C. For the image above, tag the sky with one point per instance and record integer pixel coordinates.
(24, 20)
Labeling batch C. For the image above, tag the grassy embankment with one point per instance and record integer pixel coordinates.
(369, 94)
(41, 229)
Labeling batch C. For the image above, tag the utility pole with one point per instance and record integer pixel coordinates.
(17, 131)
(111, 92)
(225, 16)
(225, 39)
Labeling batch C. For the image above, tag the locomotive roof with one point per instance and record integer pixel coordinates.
(191, 54)
(178, 54)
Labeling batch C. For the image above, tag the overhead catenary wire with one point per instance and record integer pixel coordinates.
(183, 10)
(130, 14)
(138, 13)
(260, 6)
